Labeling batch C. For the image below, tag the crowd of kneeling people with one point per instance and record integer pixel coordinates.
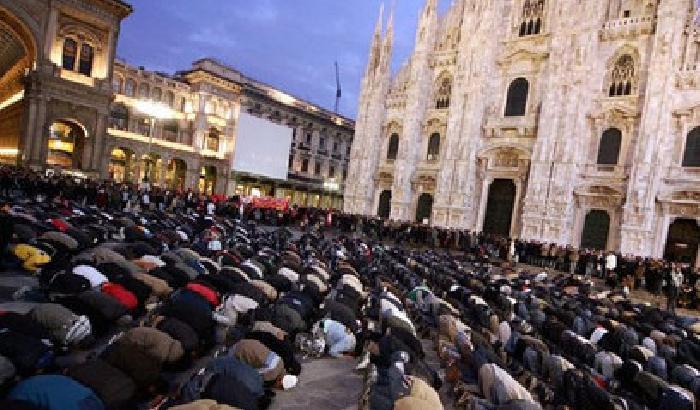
(146, 309)
(529, 341)
(154, 310)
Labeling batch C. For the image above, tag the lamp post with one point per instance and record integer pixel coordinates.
(155, 111)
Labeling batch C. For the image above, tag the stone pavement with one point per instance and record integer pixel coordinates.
(324, 384)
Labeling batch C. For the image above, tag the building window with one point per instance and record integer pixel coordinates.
(213, 140)
(183, 104)
(691, 156)
(157, 94)
(117, 84)
(70, 52)
(622, 77)
(170, 130)
(331, 172)
(87, 55)
(609, 148)
(308, 138)
(130, 87)
(335, 147)
(143, 126)
(345, 174)
(626, 14)
(434, 147)
(119, 117)
(317, 169)
(291, 162)
(516, 101)
(443, 92)
(305, 165)
(393, 147)
(347, 150)
(294, 134)
(170, 99)
(144, 90)
(531, 21)
(322, 143)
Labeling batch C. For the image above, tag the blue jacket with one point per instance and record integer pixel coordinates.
(55, 392)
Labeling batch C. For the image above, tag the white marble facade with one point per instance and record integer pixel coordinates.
(576, 73)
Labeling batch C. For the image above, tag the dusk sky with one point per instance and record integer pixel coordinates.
(290, 44)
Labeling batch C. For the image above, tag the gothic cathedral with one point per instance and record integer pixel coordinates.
(573, 122)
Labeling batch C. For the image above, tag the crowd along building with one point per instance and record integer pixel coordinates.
(66, 101)
(552, 120)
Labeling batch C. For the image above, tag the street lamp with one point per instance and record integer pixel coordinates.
(155, 111)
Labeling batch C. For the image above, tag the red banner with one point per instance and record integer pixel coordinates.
(266, 202)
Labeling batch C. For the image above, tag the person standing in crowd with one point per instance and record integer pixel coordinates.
(610, 264)
(675, 283)
(6, 229)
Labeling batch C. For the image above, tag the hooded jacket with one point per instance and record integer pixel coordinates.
(54, 392)
(113, 387)
(64, 326)
(155, 343)
(32, 258)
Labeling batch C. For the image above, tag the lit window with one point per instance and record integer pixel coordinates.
(70, 50)
(87, 55)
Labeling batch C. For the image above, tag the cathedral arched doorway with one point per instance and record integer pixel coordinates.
(66, 144)
(499, 208)
(682, 241)
(17, 55)
(384, 208)
(596, 229)
(424, 208)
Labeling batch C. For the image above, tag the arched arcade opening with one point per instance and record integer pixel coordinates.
(17, 56)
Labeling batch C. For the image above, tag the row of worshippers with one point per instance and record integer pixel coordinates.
(512, 340)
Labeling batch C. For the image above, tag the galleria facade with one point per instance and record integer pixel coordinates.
(559, 121)
(67, 102)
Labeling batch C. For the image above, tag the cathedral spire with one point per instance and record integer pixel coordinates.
(426, 25)
(388, 40)
(375, 50)
(429, 8)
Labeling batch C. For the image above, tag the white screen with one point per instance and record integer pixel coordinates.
(262, 147)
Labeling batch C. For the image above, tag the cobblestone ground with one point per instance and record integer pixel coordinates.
(324, 384)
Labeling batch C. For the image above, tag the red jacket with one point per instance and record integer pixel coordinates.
(119, 292)
(60, 224)
(207, 293)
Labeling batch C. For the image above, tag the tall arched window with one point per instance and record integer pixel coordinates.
(170, 99)
(443, 91)
(130, 87)
(393, 147)
(117, 84)
(609, 148)
(531, 20)
(87, 55)
(143, 90)
(622, 77)
(516, 101)
(70, 52)
(119, 117)
(434, 147)
(691, 155)
(157, 94)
